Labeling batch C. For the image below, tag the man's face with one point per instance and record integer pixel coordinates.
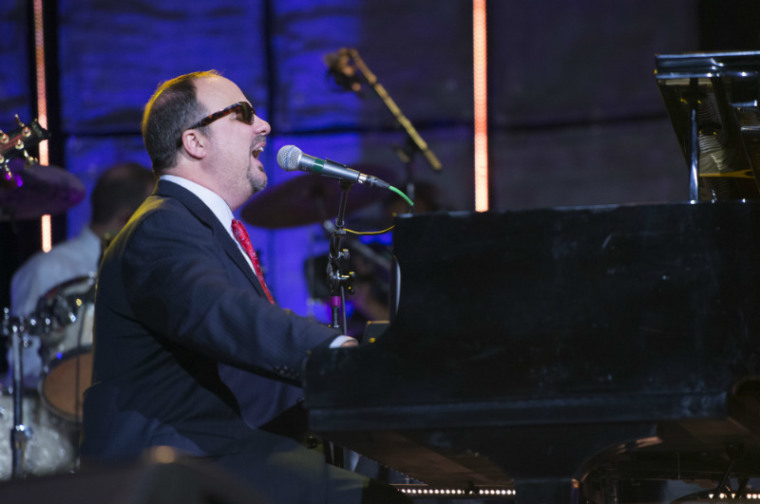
(233, 145)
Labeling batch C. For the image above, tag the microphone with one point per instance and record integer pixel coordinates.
(292, 158)
(339, 66)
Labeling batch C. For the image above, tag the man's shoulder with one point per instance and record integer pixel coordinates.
(161, 221)
(173, 210)
(163, 211)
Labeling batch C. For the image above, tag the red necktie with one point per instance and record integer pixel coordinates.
(241, 235)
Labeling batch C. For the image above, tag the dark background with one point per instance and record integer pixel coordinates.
(575, 114)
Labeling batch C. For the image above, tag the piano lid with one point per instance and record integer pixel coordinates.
(712, 101)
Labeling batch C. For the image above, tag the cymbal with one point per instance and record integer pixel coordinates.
(310, 198)
(38, 190)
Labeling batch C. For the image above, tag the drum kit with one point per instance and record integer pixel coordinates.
(38, 427)
(43, 422)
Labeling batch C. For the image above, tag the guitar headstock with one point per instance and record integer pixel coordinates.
(16, 143)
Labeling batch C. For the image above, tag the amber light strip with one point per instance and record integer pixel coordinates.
(480, 99)
(44, 157)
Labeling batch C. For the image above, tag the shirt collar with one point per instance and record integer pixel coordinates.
(213, 201)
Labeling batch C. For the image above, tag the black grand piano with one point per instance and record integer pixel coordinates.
(576, 354)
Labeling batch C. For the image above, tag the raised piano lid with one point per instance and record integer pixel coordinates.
(712, 101)
(567, 331)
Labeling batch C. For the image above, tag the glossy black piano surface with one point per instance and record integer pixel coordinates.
(550, 348)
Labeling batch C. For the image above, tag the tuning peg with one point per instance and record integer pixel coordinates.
(29, 160)
(3, 140)
(25, 131)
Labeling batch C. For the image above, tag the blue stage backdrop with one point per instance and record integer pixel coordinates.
(14, 72)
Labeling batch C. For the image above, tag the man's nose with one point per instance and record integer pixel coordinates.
(261, 126)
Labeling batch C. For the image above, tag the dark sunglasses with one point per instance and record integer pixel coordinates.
(244, 110)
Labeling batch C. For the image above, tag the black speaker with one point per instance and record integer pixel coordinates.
(161, 477)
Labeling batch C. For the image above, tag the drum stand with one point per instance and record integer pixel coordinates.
(18, 329)
(13, 327)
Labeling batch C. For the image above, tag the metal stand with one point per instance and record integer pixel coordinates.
(17, 329)
(343, 66)
(339, 65)
(338, 282)
(693, 140)
(13, 329)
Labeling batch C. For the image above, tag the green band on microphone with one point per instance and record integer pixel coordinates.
(319, 165)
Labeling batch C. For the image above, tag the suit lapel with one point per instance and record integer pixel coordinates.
(207, 217)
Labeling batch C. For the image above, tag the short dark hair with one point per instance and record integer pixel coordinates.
(170, 111)
(122, 187)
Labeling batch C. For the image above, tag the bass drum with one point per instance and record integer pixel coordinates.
(50, 444)
(67, 349)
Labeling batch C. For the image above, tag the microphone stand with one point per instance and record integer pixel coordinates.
(340, 66)
(347, 74)
(338, 282)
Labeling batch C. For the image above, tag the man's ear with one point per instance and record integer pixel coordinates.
(194, 143)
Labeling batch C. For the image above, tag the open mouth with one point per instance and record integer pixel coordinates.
(257, 151)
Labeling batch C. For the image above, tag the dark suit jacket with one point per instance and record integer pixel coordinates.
(187, 350)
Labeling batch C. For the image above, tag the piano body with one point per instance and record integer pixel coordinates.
(568, 353)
